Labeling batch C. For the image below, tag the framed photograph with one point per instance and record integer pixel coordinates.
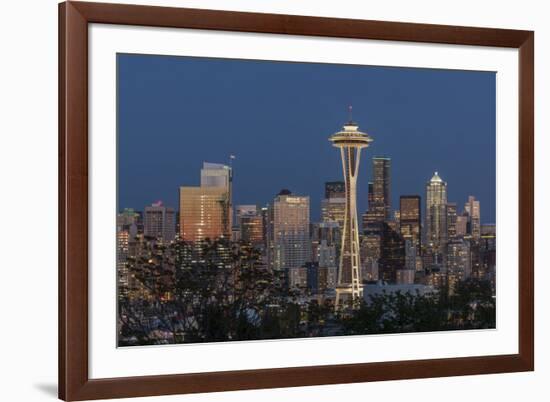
(260, 200)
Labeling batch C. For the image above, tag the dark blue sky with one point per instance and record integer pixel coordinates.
(176, 112)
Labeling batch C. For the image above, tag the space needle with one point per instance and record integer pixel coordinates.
(350, 141)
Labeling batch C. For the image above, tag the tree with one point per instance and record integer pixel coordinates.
(472, 306)
(217, 291)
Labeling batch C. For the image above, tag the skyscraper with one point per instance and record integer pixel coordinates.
(203, 213)
(392, 254)
(126, 231)
(459, 263)
(290, 231)
(333, 206)
(350, 141)
(410, 230)
(371, 223)
(472, 208)
(266, 223)
(251, 229)
(370, 199)
(244, 210)
(436, 215)
(159, 222)
(206, 211)
(328, 238)
(381, 196)
(217, 175)
(335, 189)
(451, 220)
(244, 213)
(486, 268)
(379, 205)
(461, 225)
(370, 254)
(241, 211)
(128, 217)
(333, 210)
(410, 218)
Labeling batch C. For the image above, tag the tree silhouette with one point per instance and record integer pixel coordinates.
(472, 306)
(216, 291)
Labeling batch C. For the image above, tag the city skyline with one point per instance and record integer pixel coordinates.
(324, 205)
(265, 239)
(253, 185)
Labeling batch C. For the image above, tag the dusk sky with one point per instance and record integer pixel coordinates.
(276, 117)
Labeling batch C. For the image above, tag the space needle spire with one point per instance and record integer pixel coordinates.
(350, 141)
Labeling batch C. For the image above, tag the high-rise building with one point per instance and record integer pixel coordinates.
(123, 277)
(126, 231)
(290, 231)
(327, 277)
(235, 234)
(350, 141)
(379, 204)
(459, 264)
(129, 227)
(312, 269)
(206, 211)
(461, 225)
(397, 217)
(413, 259)
(370, 253)
(203, 213)
(266, 224)
(381, 186)
(335, 189)
(269, 234)
(410, 230)
(392, 254)
(451, 220)
(297, 277)
(159, 222)
(217, 175)
(314, 241)
(333, 210)
(473, 210)
(487, 254)
(244, 210)
(320, 278)
(410, 219)
(405, 276)
(128, 216)
(251, 229)
(327, 236)
(371, 223)
(436, 215)
(370, 198)
(327, 255)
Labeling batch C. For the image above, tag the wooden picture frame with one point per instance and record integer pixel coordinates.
(74, 381)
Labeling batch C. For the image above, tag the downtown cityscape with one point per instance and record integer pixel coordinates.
(254, 203)
(207, 270)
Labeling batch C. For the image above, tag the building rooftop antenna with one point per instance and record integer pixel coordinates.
(231, 158)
